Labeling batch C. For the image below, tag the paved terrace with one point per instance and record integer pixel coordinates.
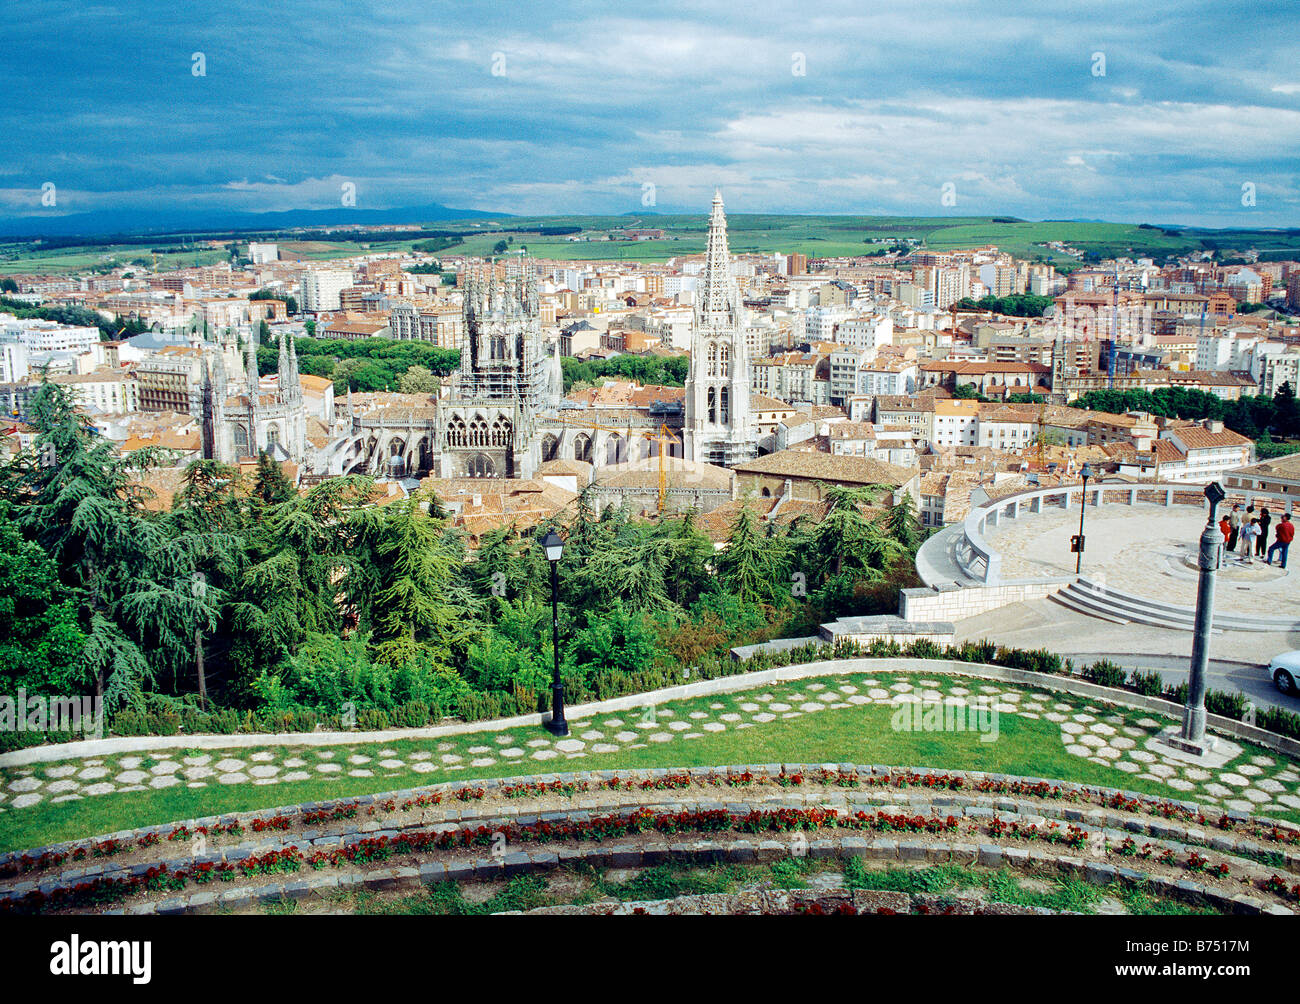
(1146, 550)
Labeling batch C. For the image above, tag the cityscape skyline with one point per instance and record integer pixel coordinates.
(573, 110)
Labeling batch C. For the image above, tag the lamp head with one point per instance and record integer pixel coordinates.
(1086, 473)
(552, 545)
(1215, 493)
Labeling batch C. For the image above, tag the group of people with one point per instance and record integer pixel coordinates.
(1247, 534)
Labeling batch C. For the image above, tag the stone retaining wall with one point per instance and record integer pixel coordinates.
(1115, 825)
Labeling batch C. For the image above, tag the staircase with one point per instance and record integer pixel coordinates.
(1095, 600)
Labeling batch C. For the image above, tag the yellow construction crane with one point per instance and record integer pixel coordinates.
(663, 435)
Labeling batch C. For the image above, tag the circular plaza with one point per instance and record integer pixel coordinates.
(1144, 549)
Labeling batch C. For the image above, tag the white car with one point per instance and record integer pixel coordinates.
(1285, 670)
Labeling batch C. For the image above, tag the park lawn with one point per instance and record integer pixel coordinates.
(860, 734)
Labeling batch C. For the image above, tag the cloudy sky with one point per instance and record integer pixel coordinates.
(1107, 110)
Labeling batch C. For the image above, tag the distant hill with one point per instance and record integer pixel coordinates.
(134, 221)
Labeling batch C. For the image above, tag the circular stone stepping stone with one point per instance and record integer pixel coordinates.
(91, 774)
(713, 727)
(126, 777)
(297, 775)
(264, 770)
(778, 706)
(1266, 784)
(26, 784)
(329, 768)
(545, 755)
(1161, 770)
(1255, 796)
(479, 749)
(445, 747)
(1101, 730)
(730, 716)
(483, 761)
(749, 706)
(764, 717)
(1263, 761)
(56, 787)
(64, 771)
(1142, 756)
(904, 688)
(878, 694)
(1236, 780)
(1178, 784)
(195, 773)
(166, 767)
(1197, 774)
(233, 778)
(859, 699)
(613, 723)
(1075, 750)
(1250, 770)
(1123, 743)
(130, 762)
(592, 736)
(570, 745)
(422, 755)
(514, 752)
(848, 688)
(1096, 742)
(1240, 805)
(164, 781)
(811, 706)
(294, 761)
(625, 737)
(1054, 716)
(356, 759)
(230, 766)
(424, 767)
(661, 737)
(391, 764)
(700, 714)
(1108, 753)
(451, 758)
(1072, 728)
(1126, 767)
(23, 801)
(94, 789)
(680, 726)
(717, 707)
(262, 757)
(324, 754)
(360, 772)
(198, 761)
(1218, 790)
(604, 748)
(534, 743)
(821, 686)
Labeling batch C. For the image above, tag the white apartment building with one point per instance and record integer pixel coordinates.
(867, 332)
(1209, 451)
(262, 254)
(13, 361)
(37, 336)
(102, 390)
(956, 423)
(320, 289)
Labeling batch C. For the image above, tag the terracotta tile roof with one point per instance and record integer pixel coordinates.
(827, 467)
(1196, 437)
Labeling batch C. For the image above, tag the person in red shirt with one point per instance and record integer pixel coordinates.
(1282, 537)
(1225, 528)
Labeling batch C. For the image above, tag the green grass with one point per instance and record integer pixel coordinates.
(860, 734)
(1006, 886)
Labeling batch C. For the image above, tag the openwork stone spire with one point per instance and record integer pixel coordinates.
(718, 294)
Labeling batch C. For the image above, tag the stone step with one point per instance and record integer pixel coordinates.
(1160, 614)
(1083, 606)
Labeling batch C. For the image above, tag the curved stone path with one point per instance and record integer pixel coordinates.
(1120, 739)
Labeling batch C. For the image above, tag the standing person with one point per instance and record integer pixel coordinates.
(1225, 528)
(1234, 524)
(1261, 542)
(1249, 531)
(1282, 537)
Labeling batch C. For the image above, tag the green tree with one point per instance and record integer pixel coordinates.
(418, 380)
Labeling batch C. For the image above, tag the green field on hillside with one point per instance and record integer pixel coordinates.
(815, 236)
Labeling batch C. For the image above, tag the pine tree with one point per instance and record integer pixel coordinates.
(270, 484)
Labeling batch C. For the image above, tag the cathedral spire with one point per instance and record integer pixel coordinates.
(717, 290)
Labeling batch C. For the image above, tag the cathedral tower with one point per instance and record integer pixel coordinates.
(719, 428)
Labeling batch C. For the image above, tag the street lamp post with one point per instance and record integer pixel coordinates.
(1192, 737)
(554, 548)
(1077, 543)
